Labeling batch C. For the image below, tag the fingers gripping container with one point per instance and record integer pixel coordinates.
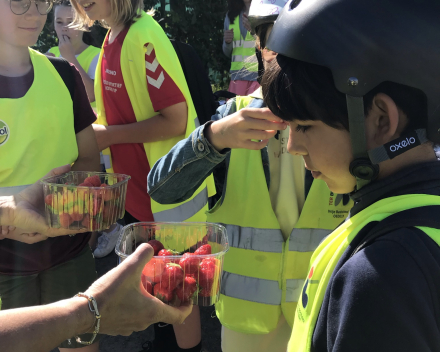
(178, 273)
(84, 200)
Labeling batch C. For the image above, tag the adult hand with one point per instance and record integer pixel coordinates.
(248, 128)
(66, 48)
(228, 36)
(26, 211)
(124, 304)
(102, 136)
(246, 23)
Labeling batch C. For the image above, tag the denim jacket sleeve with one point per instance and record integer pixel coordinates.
(176, 176)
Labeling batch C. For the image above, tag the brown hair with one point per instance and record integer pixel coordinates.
(234, 9)
(123, 11)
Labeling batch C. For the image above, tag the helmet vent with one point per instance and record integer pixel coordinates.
(294, 3)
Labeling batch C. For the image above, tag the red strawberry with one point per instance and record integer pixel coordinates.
(94, 180)
(172, 276)
(154, 269)
(76, 216)
(147, 284)
(211, 263)
(206, 291)
(90, 225)
(189, 264)
(203, 250)
(157, 246)
(107, 194)
(166, 252)
(65, 220)
(162, 293)
(207, 274)
(186, 289)
(49, 199)
(96, 205)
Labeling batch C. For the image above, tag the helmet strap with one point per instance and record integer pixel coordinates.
(398, 146)
(361, 167)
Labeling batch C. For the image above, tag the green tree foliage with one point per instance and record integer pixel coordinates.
(200, 24)
(196, 22)
(47, 38)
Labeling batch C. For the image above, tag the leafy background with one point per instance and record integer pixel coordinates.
(196, 22)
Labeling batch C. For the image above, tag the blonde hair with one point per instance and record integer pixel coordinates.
(123, 12)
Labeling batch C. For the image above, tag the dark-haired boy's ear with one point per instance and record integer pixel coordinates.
(384, 121)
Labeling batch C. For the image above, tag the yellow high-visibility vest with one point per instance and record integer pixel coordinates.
(327, 255)
(37, 130)
(84, 59)
(146, 30)
(263, 274)
(243, 50)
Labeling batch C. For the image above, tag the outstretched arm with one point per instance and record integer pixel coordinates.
(122, 301)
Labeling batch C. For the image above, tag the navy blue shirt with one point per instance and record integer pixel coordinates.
(387, 296)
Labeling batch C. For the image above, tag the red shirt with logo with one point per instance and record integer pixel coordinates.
(130, 158)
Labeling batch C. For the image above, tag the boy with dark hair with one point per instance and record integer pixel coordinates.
(358, 83)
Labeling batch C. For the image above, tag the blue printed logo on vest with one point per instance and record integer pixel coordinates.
(304, 296)
(4, 132)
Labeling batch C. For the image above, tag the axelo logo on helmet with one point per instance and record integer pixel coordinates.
(403, 144)
(4, 132)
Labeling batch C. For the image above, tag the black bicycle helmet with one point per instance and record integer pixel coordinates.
(365, 43)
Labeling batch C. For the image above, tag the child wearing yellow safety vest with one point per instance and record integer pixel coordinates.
(358, 84)
(72, 46)
(272, 225)
(144, 108)
(45, 122)
(239, 46)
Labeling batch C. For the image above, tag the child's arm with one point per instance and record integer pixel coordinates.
(171, 122)
(67, 51)
(88, 154)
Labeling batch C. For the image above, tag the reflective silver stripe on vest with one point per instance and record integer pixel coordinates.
(236, 43)
(247, 44)
(264, 240)
(247, 59)
(293, 289)
(185, 210)
(251, 289)
(306, 240)
(10, 191)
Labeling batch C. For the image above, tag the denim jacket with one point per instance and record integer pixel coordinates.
(176, 176)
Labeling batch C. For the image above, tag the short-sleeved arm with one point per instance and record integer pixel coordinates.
(161, 87)
(82, 111)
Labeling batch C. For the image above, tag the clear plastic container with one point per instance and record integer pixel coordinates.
(181, 277)
(92, 207)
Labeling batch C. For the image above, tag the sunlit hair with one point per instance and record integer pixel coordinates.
(123, 12)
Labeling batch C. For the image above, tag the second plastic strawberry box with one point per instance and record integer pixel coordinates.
(187, 263)
(84, 200)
